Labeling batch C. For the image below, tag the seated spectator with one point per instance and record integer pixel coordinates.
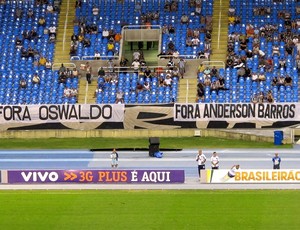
(74, 38)
(168, 81)
(261, 97)
(30, 13)
(73, 50)
(36, 79)
(201, 68)
(270, 97)
(42, 21)
(188, 41)
(50, 8)
(146, 86)
(184, 19)
(18, 13)
(261, 76)
(120, 97)
(288, 81)
(195, 41)
(254, 76)
(67, 92)
(52, 30)
(62, 78)
(101, 72)
(207, 72)
(111, 46)
(24, 53)
(105, 33)
(95, 10)
(30, 52)
(147, 74)
(97, 55)
(254, 98)
(42, 61)
(19, 43)
(86, 42)
(171, 29)
(214, 86)
(281, 81)
(48, 64)
(118, 37)
(75, 73)
(23, 83)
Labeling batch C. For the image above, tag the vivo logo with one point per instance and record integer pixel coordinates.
(39, 176)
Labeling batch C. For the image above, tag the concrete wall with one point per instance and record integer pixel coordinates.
(140, 134)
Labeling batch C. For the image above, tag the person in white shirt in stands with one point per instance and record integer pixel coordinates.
(105, 33)
(214, 161)
(136, 65)
(95, 10)
(49, 8)
(136, 55)
(52, 30)
(201, 159)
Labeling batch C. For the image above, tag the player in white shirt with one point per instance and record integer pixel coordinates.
(214, 161)
(201, 159)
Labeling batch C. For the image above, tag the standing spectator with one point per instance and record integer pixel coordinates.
(181, 66)
(123, 64)
(201, 159)
(136, 65)
(276, 161)
(88, 70)
(214, 161)
(114, 158)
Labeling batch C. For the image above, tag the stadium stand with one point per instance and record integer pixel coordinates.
(263, 54)
(28, 33)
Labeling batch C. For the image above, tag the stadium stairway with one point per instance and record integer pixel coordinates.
(187, 90)
(86, 91)
(64, 32)
(220, 30)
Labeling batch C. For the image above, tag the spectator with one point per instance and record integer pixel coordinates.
(184, 19)
(136, 65)
(200, 91)
(42, 21)
(42, 61)
(101, 72)
(269, 97)
(50, 8)
(75, 73)
(88, 70)
(168, 81)
(110, 65)
(23, 83)
(95, 10)
(123, 64)
(288, 81)
(181, 67)
(120, 97)
(36, 79)
(97, 55)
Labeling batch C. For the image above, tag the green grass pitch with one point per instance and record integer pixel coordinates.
(150, 209)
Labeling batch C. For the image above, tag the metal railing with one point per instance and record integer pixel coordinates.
(93, 58)
(178, 57)
(56, 66)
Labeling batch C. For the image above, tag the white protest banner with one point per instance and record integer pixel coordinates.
(237, 112)
(62, 113)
